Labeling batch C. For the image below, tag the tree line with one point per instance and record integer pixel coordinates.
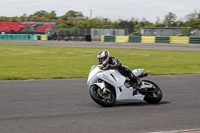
(75, 19)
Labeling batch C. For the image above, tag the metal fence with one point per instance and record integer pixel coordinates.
(98, 32)
(94, 32)
(69, 31)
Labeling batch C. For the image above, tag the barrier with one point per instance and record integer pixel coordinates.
(15, 36)
(102, 38)
(25, 36)
(47, 37)
(135, 39)
(195, 40)
(122, 39)
(162, 39)
(4, 36)
(109, 38)
(31, 36)
(148, 39)
(183, 40)
(36, 37)
(42, 37)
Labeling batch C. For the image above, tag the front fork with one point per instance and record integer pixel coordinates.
(102, 86)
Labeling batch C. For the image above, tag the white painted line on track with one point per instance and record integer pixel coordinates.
(179, 131)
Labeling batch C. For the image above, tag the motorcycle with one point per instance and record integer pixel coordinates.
(107, 87)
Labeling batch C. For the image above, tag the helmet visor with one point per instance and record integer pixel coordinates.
(101, 60)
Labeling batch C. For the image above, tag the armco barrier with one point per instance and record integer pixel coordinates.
(148, 39)
(109, 38)
(121, 38)
(136, 39)
(162, 39)
(195, 40)
(182, 40)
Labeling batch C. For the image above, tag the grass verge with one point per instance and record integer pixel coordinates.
(37, 62)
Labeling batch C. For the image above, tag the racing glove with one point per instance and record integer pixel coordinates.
(106, 67)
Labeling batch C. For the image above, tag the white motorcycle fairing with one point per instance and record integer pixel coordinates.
(114, 78)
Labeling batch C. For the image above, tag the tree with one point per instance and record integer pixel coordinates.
(186, 31)
(62, 25)
(72, 14)
(4, 19)
(71, 18)
(170, 20)
(84, 23)
(39, 13)
(13, 19)
(158, 23)
(193, 20)
(128, 25)
(51, 16)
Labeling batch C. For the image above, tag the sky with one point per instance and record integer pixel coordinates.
(112, 9)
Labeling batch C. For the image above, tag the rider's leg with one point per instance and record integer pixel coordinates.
(136, 80)
(130, 74)
(133, 78)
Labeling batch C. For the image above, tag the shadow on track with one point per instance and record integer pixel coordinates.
(141, 104)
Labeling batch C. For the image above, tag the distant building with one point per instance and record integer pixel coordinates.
(160, 31)
(195, 32)
(97, 33)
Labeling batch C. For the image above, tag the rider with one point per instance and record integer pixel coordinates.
(110, 62)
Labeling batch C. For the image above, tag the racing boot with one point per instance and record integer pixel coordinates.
(136, 82)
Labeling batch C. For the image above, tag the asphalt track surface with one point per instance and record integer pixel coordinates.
(64, 106)
(150, 46)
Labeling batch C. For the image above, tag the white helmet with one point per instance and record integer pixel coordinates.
(103, 57)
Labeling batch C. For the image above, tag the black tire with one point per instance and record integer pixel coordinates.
(94, 93)
(153, 97)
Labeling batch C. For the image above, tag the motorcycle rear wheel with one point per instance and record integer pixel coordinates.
(107, 99)
(153, 97)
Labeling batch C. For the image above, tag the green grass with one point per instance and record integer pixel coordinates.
(36, 62)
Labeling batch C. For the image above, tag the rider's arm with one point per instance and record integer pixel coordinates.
(115, 63)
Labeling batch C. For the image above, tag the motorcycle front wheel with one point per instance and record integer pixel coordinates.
(154, 94)
(105, 99)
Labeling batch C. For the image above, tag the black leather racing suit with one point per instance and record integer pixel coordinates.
(114, 63)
